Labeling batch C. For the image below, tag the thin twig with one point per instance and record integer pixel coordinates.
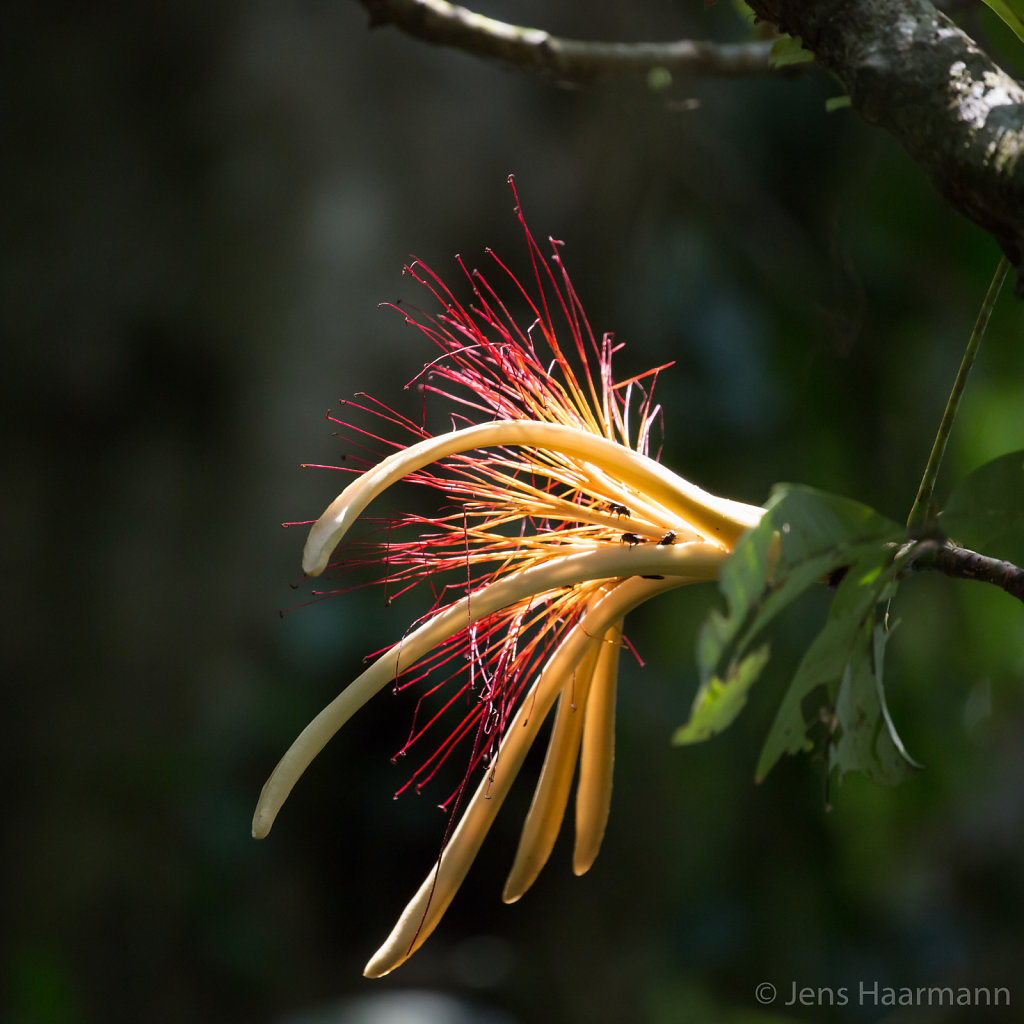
(921, 511)
(572, 61)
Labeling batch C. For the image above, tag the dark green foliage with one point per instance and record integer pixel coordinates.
(808, 538)
(986, 509)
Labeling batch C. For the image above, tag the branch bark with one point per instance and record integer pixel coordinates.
(906, 66)
(910, 70)
(964, 564)
(569, 61)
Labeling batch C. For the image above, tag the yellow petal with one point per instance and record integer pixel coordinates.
(421, 916)
(544, 819)
(597, 755)
(718, 520)
(692, 561)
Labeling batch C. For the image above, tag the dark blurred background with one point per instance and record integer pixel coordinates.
(203, 204)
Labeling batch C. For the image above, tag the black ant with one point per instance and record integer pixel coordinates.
(632, 539)
(669, 538)
(620, 510)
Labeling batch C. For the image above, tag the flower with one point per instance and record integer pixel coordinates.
(562, 524)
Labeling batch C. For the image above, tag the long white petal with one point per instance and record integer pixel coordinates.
(426, 908)
(719, 520)
(692, 561)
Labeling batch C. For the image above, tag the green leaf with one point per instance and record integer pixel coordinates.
(744, 11)
(788, 50)
(1012, 12)
(718, 703)
(867, 740)
(743, 584)
(837, 103)
(818, 534)
(823, 663)
(804, 537)
(986, 509)
(846, 656)
(817, 521)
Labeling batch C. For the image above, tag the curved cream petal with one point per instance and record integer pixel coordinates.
(719, 520)
(690, 561)
(426, 908)
(639, 504)
(544, 819)
(597, 754)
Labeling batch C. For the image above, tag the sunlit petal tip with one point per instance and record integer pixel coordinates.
(403, 941)
(379, 966)
(584, 854)
(262, 821)
(375, 970)
(582, 864)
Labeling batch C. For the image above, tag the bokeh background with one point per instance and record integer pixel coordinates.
(203, 204)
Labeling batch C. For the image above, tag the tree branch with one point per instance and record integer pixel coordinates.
(906, 66)
(909, 69)
(571, 61)
(964, 564)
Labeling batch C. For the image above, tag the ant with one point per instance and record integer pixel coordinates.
(632, 539)
(620, 510)
(669, 538)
